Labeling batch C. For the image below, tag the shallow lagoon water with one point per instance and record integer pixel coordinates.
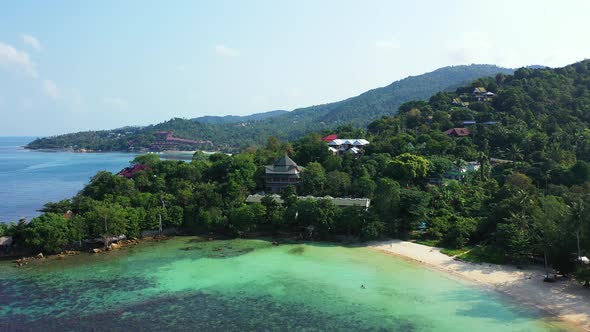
(237, 285)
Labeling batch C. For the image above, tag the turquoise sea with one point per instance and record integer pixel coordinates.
(29, 179)
(184, 284)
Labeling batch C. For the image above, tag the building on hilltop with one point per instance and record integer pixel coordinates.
(283, 173)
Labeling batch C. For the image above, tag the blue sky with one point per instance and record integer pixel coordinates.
(77, 65)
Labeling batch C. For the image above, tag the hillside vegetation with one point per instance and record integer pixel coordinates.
(233, 134)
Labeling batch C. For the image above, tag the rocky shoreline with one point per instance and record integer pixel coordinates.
(113, 246)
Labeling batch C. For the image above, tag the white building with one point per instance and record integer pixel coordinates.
(352, 145)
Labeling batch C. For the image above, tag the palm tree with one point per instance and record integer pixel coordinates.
(577, 216)
(514, 152)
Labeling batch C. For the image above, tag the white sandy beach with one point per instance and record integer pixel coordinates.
(566, 300)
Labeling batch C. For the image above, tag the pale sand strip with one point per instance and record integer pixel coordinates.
(565, 300)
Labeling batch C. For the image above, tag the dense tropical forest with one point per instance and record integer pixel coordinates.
(232, 134)
(529, 200)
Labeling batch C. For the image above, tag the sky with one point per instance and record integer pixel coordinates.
(67, 66)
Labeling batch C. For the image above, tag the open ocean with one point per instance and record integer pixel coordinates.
(29, 179)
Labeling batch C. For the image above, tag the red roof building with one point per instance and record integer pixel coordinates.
(330, 138)
(165, 140)
(129, 172)
(458, 132)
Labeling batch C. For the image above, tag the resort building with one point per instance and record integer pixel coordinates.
(338, 201)
(330, 138)
(283, 173)
(165, 140)
(354, 146)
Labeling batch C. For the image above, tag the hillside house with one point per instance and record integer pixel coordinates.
(458, 132)
(481, 94)
(459, 102)
(461, 172)
(354, 146)
(283, 173)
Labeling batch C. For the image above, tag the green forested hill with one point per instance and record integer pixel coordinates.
(239, 118)
(358, 111)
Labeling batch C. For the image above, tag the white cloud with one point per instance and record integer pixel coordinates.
(226, 51)
(391, 44)
(31, 41)
(50, 89)
(115, 102)
(11, 58)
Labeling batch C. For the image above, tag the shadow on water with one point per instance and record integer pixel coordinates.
(206, 312)
(55, 297)
(220, 248)
(299, 250)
